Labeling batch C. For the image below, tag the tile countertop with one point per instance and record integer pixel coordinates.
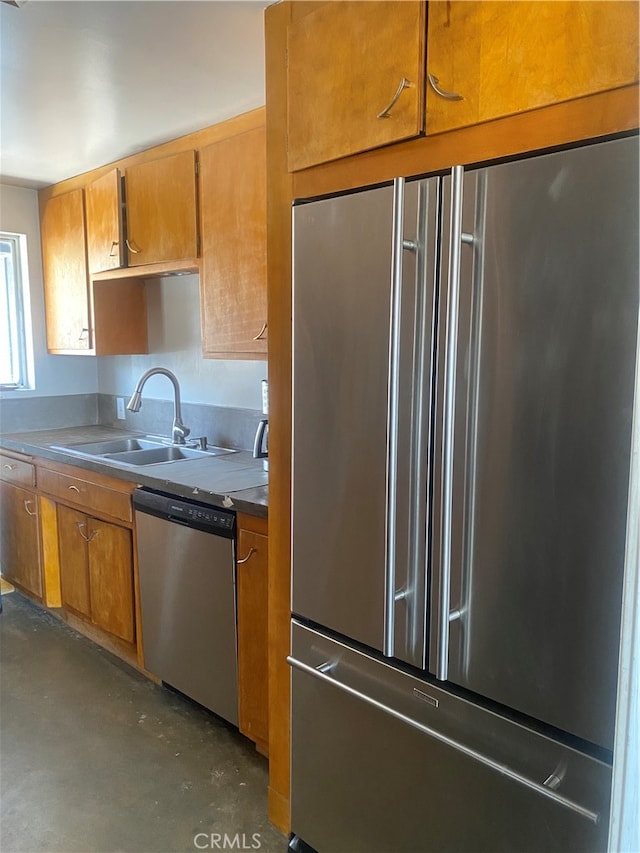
(234, 480)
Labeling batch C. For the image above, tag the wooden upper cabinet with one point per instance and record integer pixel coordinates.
(64, 260)
(233, 279)
(347, 62)
(162, 222)
(104, 223)
(507, 57)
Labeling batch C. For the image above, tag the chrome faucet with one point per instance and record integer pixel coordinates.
(178, 431)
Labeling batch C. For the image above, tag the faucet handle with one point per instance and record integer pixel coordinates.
(179, 432)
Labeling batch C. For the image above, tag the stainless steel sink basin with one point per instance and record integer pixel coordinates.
(115, 445)
(136, 451)
(151, 456)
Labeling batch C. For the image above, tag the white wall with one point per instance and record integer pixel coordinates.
(54, 374)
(173, 306)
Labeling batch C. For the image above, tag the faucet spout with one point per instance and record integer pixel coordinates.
(178, 431)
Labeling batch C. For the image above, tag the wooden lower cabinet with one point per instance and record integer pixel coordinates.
(96, 572)
(253, 692)
(19, 538)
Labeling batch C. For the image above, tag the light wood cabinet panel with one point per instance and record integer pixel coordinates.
(64, 260)
(52, 594)
(346, 61)
(253, 668)
(111, 578)
(104, 222)
(74, 560)
(160, 198)
(507, 57)
(96, 571)
(233, 281)
(85, 494)
(120, 316)
(19, 538)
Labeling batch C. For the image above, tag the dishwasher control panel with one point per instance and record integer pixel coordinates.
(184, 511)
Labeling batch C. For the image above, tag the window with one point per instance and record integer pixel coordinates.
(13, 312)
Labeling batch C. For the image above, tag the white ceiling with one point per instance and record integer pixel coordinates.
(86, 82)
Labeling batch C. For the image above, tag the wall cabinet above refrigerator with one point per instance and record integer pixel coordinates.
(355, 78)
(358, 74)
(492, 59)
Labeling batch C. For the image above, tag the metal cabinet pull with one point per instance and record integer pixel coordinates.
(258, 337)
(252, 551)
(8, 467)
(83, 334)
(94, 533)
(503, 769)
(404, 84)
(113, 253)
(131, 249)
(26, 506)
(450, 96)
(73, 489)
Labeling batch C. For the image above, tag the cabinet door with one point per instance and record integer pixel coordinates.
(233, 281)
(104, 231)
(19, 539)
(64, 260)
(346, 64)
(507, 57)
(111, 578)
(253, 698)
(74, 572)
(161, 209)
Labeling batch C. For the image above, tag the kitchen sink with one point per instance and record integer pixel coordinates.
(143, 450)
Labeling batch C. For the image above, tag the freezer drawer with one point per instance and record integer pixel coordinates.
(394, 763)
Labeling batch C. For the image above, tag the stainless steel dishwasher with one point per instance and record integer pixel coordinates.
(188, 599)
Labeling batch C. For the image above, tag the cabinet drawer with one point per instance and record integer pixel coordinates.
(87, 495)
(16, 471)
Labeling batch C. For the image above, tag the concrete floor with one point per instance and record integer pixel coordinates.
(95, 757)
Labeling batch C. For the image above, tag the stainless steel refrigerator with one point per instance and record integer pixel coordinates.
(463, 372)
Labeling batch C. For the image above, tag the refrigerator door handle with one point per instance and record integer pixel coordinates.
(322, 672)
(392, 414)
(455, 244)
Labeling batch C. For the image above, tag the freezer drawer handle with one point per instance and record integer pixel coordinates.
(502, 769)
